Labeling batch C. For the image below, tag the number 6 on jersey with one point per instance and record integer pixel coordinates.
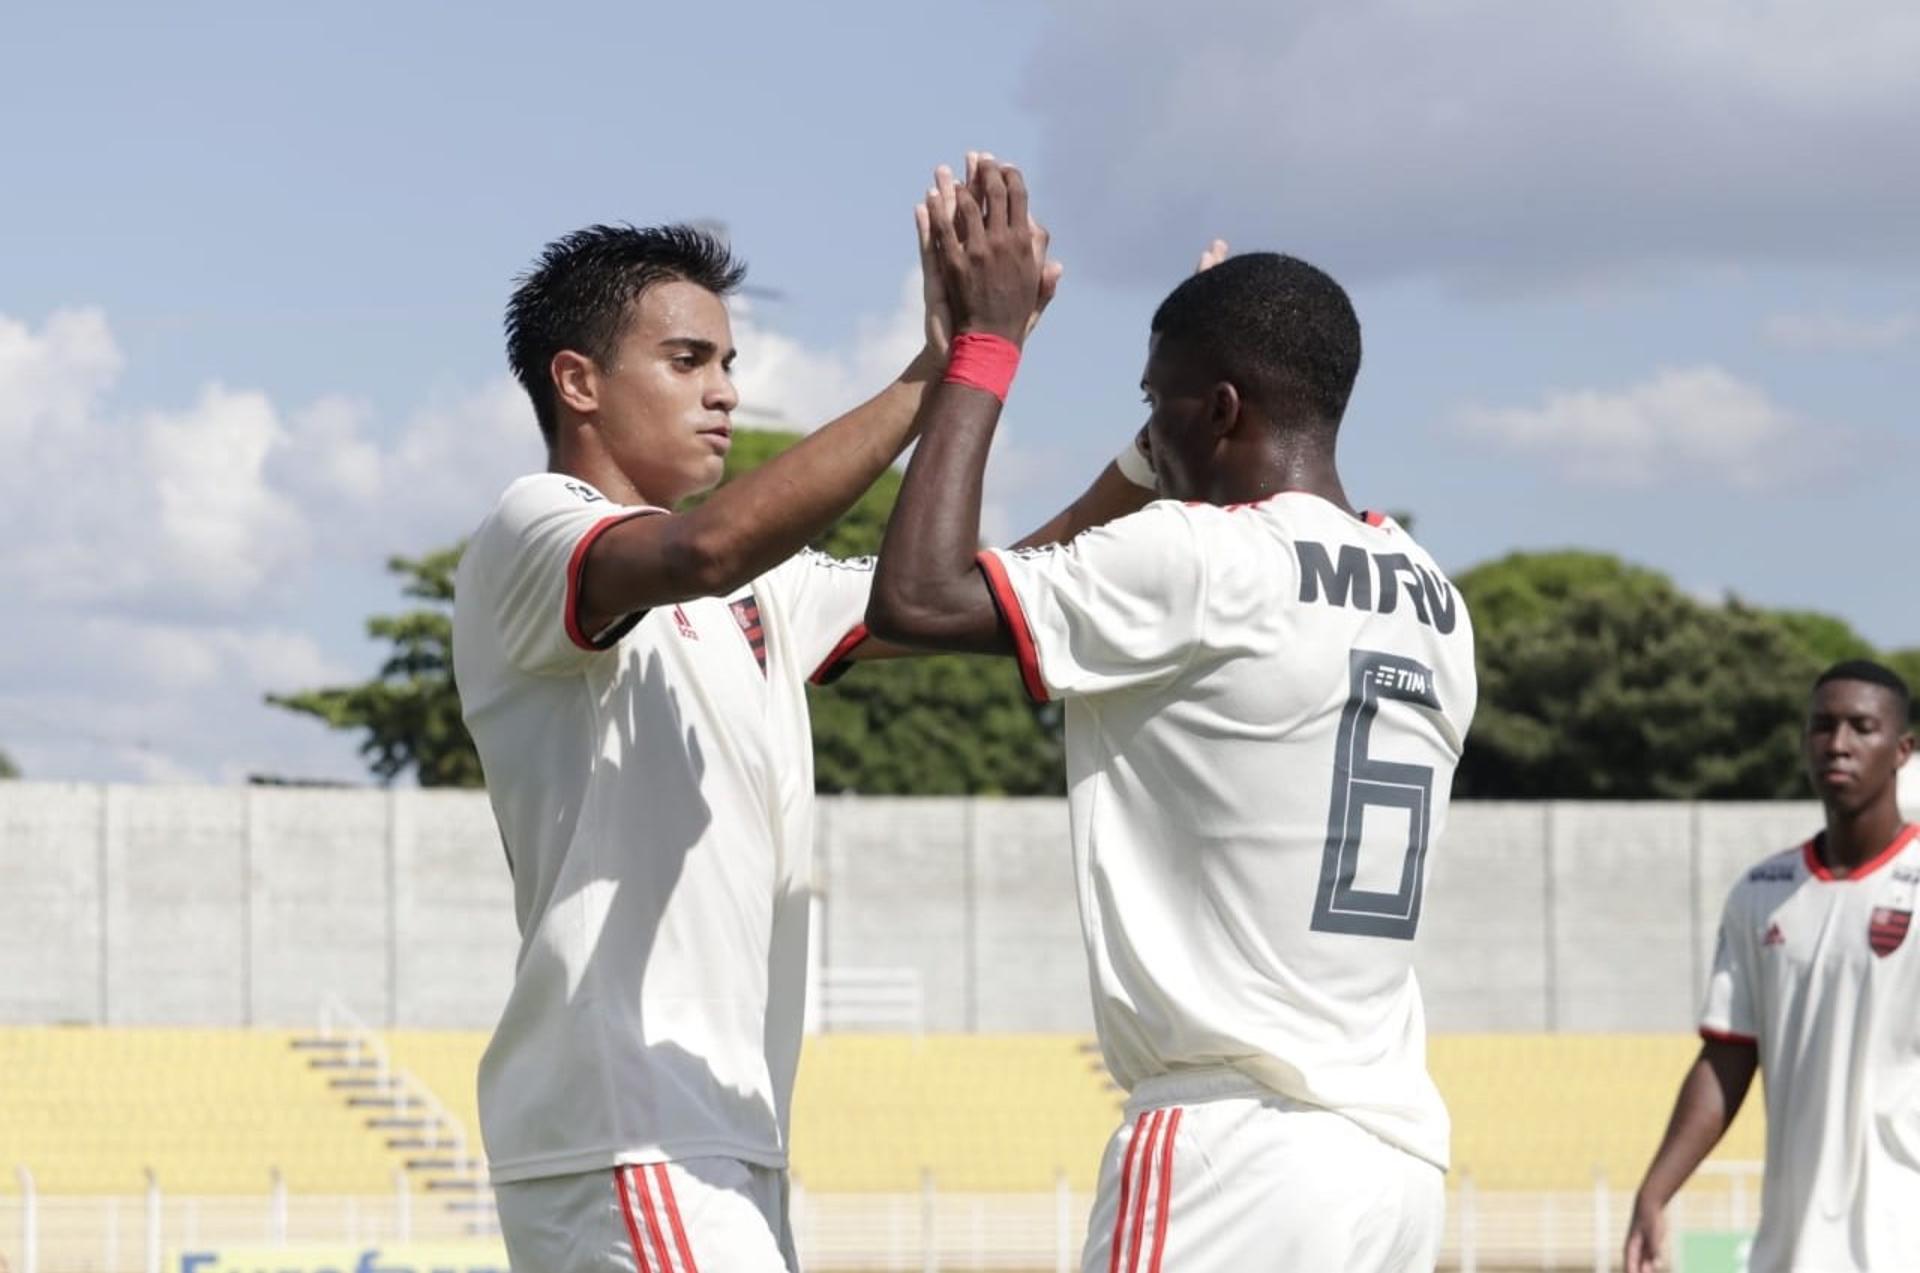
(1361, 781)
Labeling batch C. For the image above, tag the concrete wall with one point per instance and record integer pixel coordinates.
(231, 906)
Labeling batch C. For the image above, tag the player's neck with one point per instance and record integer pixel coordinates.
(578, 453)
(1263, 460)
(1853, 839)
(1249, 484)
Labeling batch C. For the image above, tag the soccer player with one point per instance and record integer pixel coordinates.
(1266, 695)
(634, 680)
(1815, 984)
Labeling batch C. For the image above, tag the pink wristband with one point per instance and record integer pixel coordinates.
(981, 360)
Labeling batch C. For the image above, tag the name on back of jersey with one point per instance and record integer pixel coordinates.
(1360, 580)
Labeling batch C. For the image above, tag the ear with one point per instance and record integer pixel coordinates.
(576, 381)
(1906, 748)
(1223, 408)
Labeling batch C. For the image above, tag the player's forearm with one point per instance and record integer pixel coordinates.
(1709, 1099)
(926, 589)
(1112, 495)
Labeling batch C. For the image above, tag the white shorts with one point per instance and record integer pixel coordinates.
(1213, 1172)
(698, 1215)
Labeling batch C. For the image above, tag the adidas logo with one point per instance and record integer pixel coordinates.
(1774, 936)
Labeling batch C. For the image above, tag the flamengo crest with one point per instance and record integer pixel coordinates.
(1887, 929)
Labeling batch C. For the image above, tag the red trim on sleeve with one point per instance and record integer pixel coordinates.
(1726, 1036)
(1878, 860)
(578, 561)
(830, 667)
(1008, 603)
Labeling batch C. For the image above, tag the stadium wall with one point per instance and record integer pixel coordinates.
(245, 906)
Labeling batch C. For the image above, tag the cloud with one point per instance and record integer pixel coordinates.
(1697, 424)
(160, 555)
(791, 385)
(1482, 139)
(1828, 332)
(166, 559)
(787, 384)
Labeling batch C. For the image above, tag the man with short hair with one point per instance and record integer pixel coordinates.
(1815, 984)
(1266, 696)
(634, 681)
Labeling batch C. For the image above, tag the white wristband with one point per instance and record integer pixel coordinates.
(1135, 466)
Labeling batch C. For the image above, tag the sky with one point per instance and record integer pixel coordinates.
(1633, 276)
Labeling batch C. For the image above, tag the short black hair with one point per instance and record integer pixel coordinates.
(1872, 673)
(577, 295)
(1280, 329)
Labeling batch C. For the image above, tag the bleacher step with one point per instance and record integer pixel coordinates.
(385, 1102)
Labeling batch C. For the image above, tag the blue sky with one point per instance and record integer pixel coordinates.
(1637, 277)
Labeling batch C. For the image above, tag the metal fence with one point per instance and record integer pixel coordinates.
(912, 1232)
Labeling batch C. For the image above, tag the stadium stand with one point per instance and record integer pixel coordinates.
(1004, 1113)
(1544, 1111)
(211, 1111)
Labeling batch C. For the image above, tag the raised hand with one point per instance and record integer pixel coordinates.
(1215, 253)
(933, 283)
(992, 257)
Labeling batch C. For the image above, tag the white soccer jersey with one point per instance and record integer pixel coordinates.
(1265, 704)
(1820, 973)
(654, 790)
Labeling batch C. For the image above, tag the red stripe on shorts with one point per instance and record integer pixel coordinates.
(653, 1220)
(1166, 1194)
(621, 1187)
(673, 1218)
(1126, 1186)
(1146, 1181)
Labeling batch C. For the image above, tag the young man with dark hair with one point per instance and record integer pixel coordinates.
(634, 680)
(1266, 696)
(1815, 983)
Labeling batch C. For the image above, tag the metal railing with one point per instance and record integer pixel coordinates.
(887, 999)
(914, 1231)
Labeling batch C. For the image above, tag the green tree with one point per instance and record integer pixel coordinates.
(7, 768)
(409, 711)
(1907, 664)
(1824, 637)
(923, 726)
(1601, 680)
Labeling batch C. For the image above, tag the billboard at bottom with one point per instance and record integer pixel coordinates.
(1715, 1251)
(399, 1257)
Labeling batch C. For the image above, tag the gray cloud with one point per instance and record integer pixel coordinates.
(1485, 142)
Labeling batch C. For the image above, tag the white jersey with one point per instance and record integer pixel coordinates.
(1265, 704)
(1821, 974)
(654, 789)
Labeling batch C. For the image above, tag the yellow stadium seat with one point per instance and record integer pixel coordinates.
(209, 1111)
(212, 1111)
(1546, 1111)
